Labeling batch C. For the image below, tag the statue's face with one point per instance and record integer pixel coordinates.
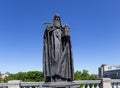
(57, 18)
(56, 22)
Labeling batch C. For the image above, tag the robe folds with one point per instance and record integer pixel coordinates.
(57, 55)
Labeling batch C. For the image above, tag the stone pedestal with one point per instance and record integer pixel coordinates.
(106, 83)
(60, 85)
(14, 84)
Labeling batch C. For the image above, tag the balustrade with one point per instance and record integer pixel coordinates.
(114, 83)
(89, 83)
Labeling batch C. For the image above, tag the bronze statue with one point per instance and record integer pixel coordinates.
(57, 53)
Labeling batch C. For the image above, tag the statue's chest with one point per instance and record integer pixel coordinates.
(58, 33)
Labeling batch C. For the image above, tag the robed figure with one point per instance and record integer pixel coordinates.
(57, 53)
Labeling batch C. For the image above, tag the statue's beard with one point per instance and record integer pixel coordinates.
(57, 24)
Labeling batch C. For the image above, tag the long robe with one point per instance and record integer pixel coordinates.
(57, 55)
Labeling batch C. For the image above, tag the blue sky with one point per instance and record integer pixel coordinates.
(94, 27)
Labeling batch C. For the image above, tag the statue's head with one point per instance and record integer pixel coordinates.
(57, 21)
(57, 17)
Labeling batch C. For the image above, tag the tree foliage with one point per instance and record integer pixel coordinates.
(31, 76)
(37, 76)
(84, 75)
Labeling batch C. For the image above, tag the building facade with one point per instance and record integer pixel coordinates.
(3, 76)
(107, 71)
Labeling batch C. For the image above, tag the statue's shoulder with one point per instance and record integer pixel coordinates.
(48, 28)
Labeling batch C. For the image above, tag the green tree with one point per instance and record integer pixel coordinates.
(37, 76)
(8, 73)
(93, 77)
(78, 75)
(31, 76)
(85, 75)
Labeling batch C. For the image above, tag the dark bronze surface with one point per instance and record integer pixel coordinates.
(57, 53)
